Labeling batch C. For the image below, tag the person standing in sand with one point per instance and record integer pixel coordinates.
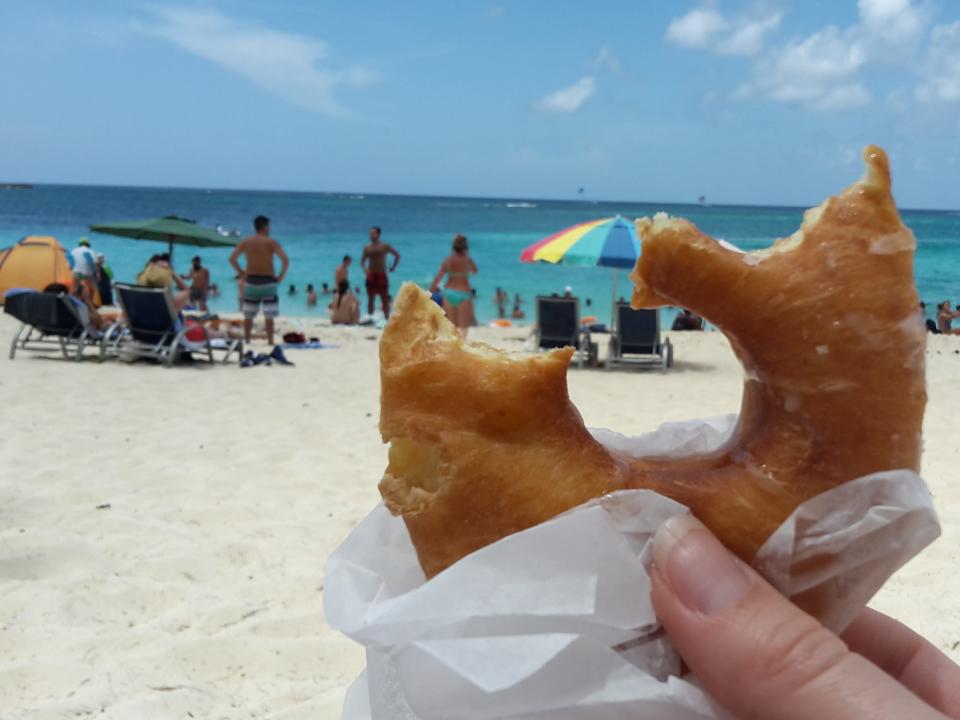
(199, 278)
(104, 280)
(341, 276)
(374, 262)
(457, 295)
(500, 299)
(260, 281)
(84, 264)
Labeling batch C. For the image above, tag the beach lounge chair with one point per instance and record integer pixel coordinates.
(637, 334)
(54, 321)
(154, 329)
(558, 325)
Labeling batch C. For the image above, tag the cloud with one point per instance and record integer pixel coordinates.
(606, 60)
(696, 29)
(568, 99)
(807, 70)
(496, 11)
(842, 97)
(941, 68)
(889, 24)
(750, 35)
(708, 29)
(822, 70)
(295, 67)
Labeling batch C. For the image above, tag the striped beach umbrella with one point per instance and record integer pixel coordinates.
(609, 242)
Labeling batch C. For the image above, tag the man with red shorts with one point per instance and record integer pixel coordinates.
(374, 263)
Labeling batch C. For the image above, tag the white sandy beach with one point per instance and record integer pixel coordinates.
(163, 532)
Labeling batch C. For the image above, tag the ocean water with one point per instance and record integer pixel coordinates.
(317, 229)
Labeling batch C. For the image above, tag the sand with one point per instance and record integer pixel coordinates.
(163, 532)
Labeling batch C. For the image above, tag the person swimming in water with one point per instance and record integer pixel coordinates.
(457, 295)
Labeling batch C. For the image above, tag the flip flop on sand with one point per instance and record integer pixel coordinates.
(250, 360)
(277, 354)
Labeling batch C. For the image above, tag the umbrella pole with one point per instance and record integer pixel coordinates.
(170, 249)
(613, 300)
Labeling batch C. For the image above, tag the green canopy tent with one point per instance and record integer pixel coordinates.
(171, 229)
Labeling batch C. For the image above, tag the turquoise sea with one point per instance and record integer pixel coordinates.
(317, 229)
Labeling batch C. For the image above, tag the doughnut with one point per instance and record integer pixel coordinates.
(825, 322)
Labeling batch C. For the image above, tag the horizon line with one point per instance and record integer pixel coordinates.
(10, 186)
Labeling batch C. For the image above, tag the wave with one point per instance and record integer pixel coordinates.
(521, 205)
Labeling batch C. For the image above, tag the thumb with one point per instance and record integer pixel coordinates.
(759, 655)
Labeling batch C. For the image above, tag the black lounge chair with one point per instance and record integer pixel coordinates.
(637, 334)
(154, 329)
(558, 325)
(54, 321)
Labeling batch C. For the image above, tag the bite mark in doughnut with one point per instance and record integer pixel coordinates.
(825, 323)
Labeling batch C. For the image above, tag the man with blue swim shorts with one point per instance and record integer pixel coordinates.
(260, 282)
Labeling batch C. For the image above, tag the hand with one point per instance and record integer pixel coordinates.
(762, 657)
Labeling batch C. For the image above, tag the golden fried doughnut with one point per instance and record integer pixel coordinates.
(825, 322)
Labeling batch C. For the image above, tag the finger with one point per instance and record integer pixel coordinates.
(755, 652)
(908, 658)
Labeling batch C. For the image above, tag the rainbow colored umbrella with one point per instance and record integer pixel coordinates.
(610, 242)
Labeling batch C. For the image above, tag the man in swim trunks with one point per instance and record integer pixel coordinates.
(374, 262)
(199, 278)
(260, 282)
(341, 276)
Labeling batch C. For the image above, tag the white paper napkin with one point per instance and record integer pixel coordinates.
(556, 621)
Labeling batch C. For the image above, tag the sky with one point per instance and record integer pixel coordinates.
(754, 102)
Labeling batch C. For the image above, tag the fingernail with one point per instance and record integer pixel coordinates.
(703, 574)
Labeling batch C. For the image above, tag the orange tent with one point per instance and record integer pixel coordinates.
(34, 262)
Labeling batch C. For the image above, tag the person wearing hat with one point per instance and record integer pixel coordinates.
(84, 265)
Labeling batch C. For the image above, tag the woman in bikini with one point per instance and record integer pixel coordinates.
(457, 295)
